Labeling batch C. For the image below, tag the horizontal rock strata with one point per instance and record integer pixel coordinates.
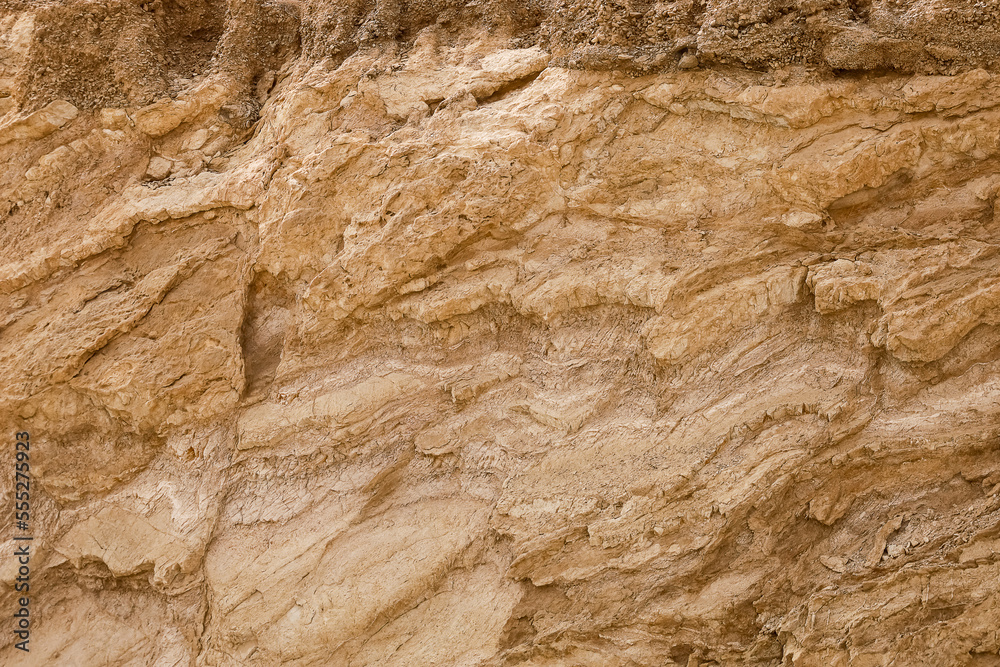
(547, 334)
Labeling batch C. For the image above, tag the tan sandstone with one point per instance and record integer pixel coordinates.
(551, 334)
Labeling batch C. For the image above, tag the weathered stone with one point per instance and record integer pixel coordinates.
(502, 333)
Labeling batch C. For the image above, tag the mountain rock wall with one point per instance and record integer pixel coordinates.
(533, 333)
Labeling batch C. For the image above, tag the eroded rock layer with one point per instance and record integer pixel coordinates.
(555, 334)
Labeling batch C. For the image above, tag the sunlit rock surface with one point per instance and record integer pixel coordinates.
(555, 334)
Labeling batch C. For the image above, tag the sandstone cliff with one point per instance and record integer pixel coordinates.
(547, 333)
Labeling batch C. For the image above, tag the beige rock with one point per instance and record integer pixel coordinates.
(39, 124)
(159, 168)
(491, 334)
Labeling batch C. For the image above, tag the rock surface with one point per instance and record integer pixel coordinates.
(614, 333)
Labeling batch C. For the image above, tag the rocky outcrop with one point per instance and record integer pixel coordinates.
(617, 333)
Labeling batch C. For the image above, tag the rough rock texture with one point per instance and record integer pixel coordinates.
(603, 333)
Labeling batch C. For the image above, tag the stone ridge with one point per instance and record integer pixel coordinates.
(411, 334)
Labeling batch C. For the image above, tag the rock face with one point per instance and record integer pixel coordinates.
(613, 333)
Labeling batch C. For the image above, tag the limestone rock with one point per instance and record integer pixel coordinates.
(503, 333)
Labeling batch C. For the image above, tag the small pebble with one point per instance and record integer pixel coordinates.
(688, 61)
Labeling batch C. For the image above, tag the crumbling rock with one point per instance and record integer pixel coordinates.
(542, 333)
